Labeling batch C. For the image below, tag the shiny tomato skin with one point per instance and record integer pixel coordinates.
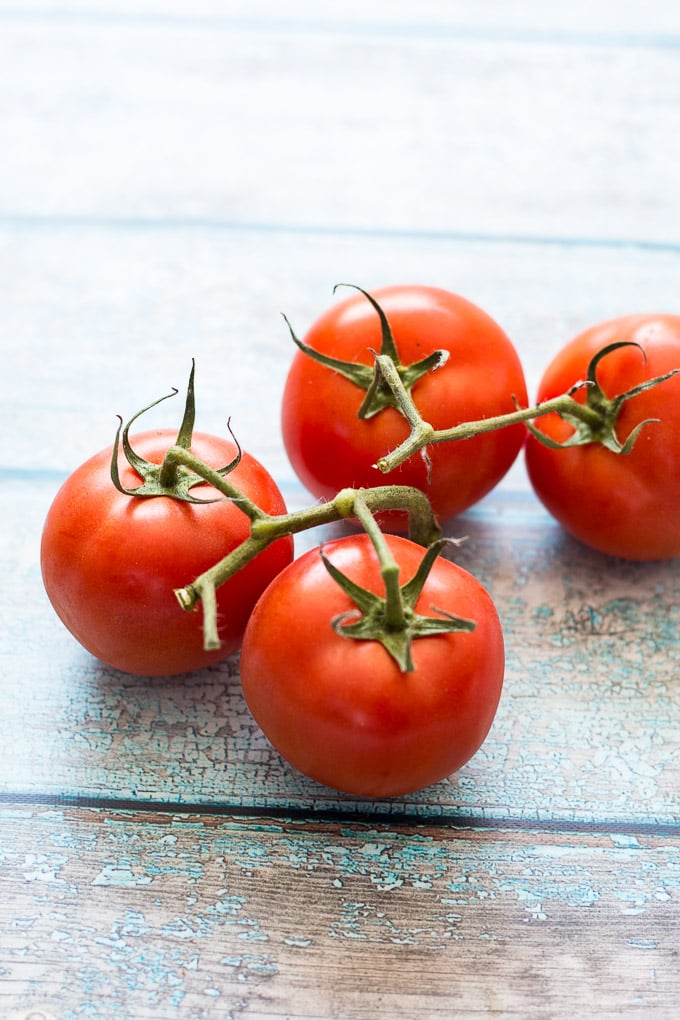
(110, 561)
(622, 505)
(329, 447)
(340, 710)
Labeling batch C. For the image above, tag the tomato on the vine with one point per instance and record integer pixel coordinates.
(111, 561)
(624, 504)
(330, 446)
(339, 708)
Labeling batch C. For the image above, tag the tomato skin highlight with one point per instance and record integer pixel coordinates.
(624, 505)
(110, 561)
(330, 448)
(340, 710)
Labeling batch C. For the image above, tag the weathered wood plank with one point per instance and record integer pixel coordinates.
(100, 320)
(108, 912)
(172, 178)
(220, 122)
(119, 293)
(588, 726)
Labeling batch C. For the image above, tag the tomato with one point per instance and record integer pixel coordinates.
(625, 505)
(110, 561)
(330, 447)
(341, 710)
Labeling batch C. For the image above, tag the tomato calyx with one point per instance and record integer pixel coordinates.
(379, 394)
(174, 477)
(600, 426)
(391, 619)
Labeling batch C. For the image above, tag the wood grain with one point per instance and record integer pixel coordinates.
(219, 121)
(173, 176)
(587, 728)
(252, 918)
(123, 309)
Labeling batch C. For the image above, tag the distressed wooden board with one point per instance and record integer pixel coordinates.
(105, 914)
(105, 276)
(587, 729)
(100, 320)
(214, 121)
(174, 176)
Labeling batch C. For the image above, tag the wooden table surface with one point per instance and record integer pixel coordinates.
(173, 176)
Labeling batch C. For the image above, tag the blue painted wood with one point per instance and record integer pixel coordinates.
(102, 318)
(201, 917)
(587, 729)
(483, 131)
(172, 178)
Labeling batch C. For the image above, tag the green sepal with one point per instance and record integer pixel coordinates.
(371, 610)
(600, 425)
(367, 377)
(159, 479)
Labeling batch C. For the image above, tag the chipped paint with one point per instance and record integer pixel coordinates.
(544, 878)
(588, 726)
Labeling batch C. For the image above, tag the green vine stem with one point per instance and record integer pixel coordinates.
(266, 529)
(181, 470)
(593, 421)
(388, 383)
(389, 568)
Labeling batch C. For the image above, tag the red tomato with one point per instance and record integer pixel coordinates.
(625, 505)
(110, 561)
(340, 710)
(330, 447)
